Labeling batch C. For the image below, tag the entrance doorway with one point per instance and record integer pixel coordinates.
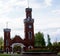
(17, 47)
(7, 50)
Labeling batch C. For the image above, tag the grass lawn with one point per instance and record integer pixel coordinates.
(59, 53)
(9, 54)
(5, 54)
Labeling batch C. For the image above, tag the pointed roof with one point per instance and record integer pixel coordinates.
(17, 39)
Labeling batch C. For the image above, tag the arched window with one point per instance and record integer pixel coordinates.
(30, 47)
(7, 50)
(30, 35)
(7, 43)
(28, 18)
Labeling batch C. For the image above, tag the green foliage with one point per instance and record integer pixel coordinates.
(49, 42)
(5, 54)
(43, 50)
(10, 55)
(1, 43)
(56, 44)
(39, 39)
(17, 49)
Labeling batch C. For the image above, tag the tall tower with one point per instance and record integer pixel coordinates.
(29, 28)
(7, 40)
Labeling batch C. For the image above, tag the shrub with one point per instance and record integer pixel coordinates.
(44, 50)
(1, 51)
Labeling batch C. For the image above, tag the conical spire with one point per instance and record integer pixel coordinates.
(6, 24)
(28, 3)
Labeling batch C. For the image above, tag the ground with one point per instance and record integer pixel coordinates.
(1, 54)
(9, 54)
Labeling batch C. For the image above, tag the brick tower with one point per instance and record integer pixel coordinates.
(29, 28)
(7, 40)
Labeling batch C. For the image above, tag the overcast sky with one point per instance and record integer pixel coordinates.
(46, 14)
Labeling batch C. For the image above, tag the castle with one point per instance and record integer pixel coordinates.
(28, 41)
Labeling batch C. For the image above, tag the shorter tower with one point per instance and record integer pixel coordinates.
(7, 39)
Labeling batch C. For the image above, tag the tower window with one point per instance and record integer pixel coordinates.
(28, 18)
(7, 43)
(30, 35)
(7, 34)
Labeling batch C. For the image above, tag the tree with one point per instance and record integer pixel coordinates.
(49, 42)
(39, 39)
(56, 44)
(1, 42)
(17, 48)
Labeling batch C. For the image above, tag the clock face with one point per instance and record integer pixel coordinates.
(30, 26)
